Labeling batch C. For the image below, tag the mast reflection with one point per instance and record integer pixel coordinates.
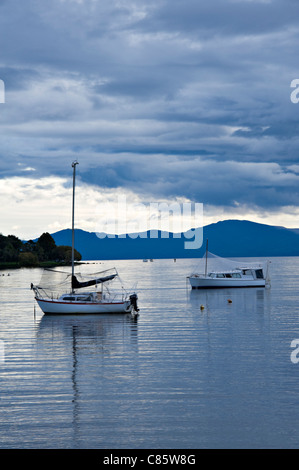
(82, 345)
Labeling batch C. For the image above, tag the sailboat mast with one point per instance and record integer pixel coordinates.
(73, 215)
(206, 270)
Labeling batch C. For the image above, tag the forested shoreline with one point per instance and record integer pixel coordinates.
(15, 253)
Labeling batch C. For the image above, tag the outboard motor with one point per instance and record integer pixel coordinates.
(133, 300)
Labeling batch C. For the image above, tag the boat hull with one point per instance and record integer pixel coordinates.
(60, 307)
(208, 283)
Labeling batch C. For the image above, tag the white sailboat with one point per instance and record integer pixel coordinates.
(79, 299)
(217, 272)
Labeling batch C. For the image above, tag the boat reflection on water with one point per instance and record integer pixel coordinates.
(99, 327)
(88, 355)
(254, 300)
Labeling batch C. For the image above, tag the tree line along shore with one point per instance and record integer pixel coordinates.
(15, 253)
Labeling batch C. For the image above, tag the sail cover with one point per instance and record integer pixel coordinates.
(217, 264)
(77, 284)
(54, 282)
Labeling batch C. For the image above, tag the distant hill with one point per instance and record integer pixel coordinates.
(229, 238)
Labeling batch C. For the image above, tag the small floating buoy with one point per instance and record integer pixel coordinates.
(201, 307)
(229, 301)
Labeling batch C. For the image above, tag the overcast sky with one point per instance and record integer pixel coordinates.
(158, 100)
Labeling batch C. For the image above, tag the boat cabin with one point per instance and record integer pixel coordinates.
(239, 274)
(88, 297)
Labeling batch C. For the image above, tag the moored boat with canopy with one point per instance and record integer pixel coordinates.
(216, 272)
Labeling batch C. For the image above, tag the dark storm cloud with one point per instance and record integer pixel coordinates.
(224, 17)
(178, 99)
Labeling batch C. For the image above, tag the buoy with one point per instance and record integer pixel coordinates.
(201, 307)
(229, 301)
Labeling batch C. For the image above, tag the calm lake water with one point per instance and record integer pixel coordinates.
(177, 377)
